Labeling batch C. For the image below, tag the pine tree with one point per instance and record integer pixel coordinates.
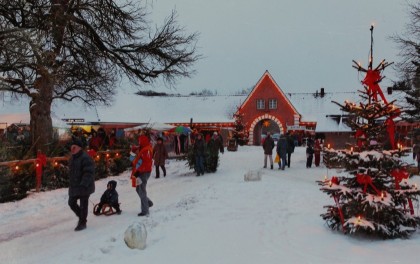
(409, 66)
(211, 160)
(412, 92)
(373, 196)
(239, 133)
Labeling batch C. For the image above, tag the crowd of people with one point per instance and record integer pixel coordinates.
(207, 151)
(97, 139)
(285, 147)
(146, 154)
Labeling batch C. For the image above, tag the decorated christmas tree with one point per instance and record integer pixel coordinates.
(373, 195)
(240, 134)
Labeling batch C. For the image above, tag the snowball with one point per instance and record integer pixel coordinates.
(135, 236)
(252, 175)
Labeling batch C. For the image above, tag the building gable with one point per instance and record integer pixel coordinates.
(268, 86)
(265, 91)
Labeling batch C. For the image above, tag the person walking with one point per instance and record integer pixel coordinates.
(95, 141)
(160, 154)
(416, 150)
(142, 172)
(199, 150)
(290, 147)
(81, 182)
(317, 152)
(282, 146)
(215, 144)
(309, 155)
(268, 146)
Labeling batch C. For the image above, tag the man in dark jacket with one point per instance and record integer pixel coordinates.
(290, 147)
(268, 146)
(199, 150)
(215, 144)
(282, 147)
(82, 182)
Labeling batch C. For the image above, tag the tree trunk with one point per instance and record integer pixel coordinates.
(40, 112)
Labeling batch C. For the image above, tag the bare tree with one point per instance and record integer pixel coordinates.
(79, 49)
(409, 66)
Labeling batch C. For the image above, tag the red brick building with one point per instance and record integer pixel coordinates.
(267, 108)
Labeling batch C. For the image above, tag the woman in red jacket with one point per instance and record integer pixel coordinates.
(142, 172)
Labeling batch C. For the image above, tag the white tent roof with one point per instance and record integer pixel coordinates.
(153, 126)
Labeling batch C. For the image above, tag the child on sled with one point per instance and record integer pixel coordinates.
(109, 201)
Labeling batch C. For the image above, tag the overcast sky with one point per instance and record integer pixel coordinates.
(305, 45)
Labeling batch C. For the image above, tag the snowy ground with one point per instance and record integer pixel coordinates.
(215, 218)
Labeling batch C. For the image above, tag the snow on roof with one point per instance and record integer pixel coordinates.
(130, 108)
(169, 109)
(313, 108)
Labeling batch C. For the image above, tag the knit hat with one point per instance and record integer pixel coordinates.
(112, 184)
(76, 141)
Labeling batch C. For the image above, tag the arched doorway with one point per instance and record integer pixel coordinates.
(263, 124)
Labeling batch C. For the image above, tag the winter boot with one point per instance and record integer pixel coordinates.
(117, 209)
(98, 210)
(81, 225)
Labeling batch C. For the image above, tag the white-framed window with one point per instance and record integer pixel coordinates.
(272, 104)
(260, 104)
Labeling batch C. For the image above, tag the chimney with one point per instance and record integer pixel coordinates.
(322, 92)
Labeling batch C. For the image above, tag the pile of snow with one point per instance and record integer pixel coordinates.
(135, 236)
(253, 175)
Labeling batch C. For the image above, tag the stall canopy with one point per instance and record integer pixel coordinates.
(153, 126)
(181, 130)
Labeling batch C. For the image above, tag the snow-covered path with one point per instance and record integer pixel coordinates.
(215, 218)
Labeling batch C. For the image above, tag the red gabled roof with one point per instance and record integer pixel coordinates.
(267, 74)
